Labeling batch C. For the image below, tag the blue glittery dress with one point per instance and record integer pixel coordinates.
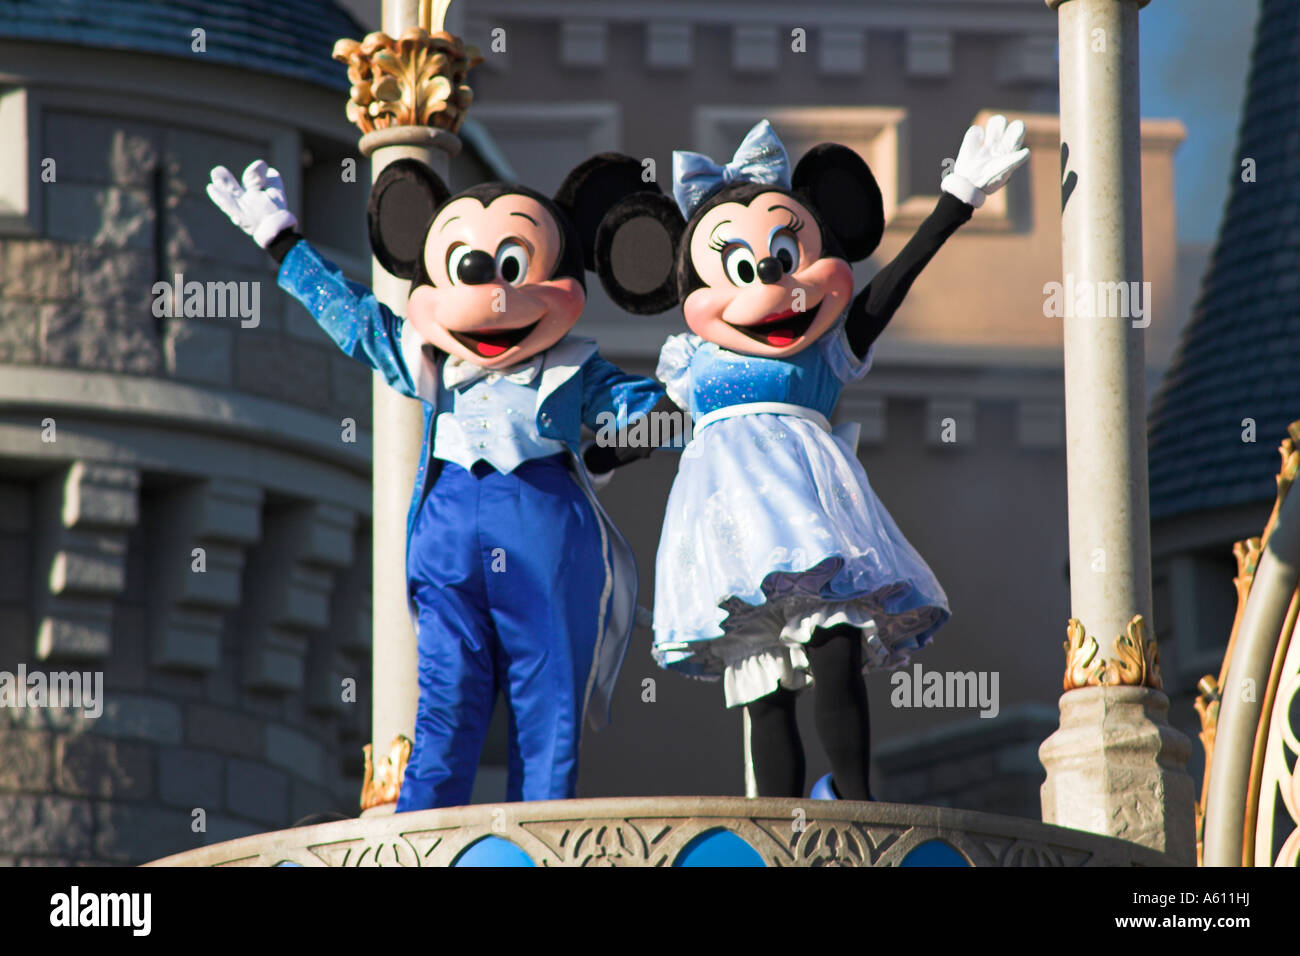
(772, 529)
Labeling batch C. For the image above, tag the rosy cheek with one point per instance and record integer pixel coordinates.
(840, 277)
(422, 308)
(835, 279)
(703, 308)
(833, 275)
(564, 298)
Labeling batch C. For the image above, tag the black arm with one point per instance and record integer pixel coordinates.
(875, 305)
(282, 243)
(602, 458)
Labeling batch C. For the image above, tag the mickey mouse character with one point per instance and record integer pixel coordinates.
(517, 579)
(777, 562)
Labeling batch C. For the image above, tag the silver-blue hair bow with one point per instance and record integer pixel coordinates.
(760, 158)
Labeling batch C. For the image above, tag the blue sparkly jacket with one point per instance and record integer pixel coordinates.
(577, 385)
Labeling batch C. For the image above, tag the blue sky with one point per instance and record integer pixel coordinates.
(1195, 57)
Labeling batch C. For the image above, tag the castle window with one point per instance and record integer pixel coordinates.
(334, 196)
(19, 167)
(1195, 603)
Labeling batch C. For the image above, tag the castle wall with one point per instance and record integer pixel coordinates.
(184, 499)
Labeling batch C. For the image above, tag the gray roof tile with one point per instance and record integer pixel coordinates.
(292, 38)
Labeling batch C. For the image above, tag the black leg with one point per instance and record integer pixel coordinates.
(840, 708)
(775, 751)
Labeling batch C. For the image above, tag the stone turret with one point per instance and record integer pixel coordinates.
(184, 456)
(1231, 391)
(1230, 380)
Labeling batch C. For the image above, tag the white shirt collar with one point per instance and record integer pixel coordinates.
(457, 372)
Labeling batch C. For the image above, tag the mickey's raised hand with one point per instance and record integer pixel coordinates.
(257, 206)
(988, 157)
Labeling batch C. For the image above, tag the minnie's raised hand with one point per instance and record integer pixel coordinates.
(988, 157)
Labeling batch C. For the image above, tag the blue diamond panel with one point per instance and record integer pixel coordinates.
(493, 851)
(718, 848)
(934, 853)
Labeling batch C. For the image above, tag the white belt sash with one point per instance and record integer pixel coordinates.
(847, 433)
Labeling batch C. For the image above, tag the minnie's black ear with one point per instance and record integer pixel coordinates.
(402, 203)
(839, 185)
(636, 253)
(593, 189)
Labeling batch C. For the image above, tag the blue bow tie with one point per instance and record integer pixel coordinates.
(760, 158)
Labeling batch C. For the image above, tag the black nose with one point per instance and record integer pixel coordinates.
(476, 268)
(770, 270)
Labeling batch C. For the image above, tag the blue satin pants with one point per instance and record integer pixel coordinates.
(506, 573)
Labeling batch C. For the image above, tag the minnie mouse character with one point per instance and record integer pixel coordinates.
(777, 563)
(517, 579)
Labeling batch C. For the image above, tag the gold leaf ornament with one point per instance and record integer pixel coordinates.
(382, 780)
(1081, 661)
(417, 79)
(1136, 662)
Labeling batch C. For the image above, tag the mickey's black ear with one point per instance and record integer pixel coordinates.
(593, 189)
(402, 203)
(636, 253)
(839, 185)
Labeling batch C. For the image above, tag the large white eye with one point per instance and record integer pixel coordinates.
(457, 252)
(785, 247)
(738, 261)
(512, 262)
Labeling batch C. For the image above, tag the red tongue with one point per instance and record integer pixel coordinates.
(780, 339)
(490, 349)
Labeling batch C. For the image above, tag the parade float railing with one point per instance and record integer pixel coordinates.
(1249, 812)
(678, 831)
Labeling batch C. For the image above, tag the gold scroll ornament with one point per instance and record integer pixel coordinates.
(1136, 662)
(383, 782)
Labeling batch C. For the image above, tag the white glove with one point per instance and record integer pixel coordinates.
(987, 158)
(258, 206)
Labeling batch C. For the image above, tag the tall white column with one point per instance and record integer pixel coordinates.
(1101, 241)
(1115, 766)
(398, 437)
(399, 421)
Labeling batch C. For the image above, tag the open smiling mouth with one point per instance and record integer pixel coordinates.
(780, 330)
(490, 345)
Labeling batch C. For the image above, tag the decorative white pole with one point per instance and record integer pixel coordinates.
(1115, 766)
(409, 99)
